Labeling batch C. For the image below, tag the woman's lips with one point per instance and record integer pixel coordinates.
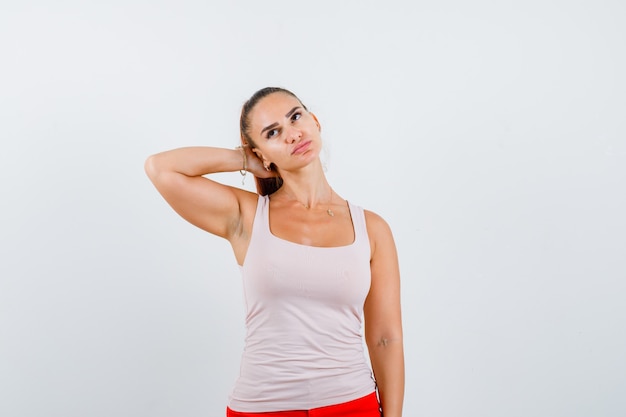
(302, 147)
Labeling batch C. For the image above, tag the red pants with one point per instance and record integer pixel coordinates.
(363, 407)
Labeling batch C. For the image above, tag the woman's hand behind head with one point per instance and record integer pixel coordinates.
(255, 165)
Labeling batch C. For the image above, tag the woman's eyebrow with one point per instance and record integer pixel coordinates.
(273, 125)
(291, 111)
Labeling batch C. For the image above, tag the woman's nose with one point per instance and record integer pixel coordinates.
(293, 135)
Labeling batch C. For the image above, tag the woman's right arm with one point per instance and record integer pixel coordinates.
(217, 208)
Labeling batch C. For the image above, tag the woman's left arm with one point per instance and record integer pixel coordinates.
(383, 321)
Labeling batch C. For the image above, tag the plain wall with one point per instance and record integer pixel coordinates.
(490, 135)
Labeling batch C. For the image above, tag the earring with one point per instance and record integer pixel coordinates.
(267, 167)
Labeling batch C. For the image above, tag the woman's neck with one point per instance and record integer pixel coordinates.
(308, 186)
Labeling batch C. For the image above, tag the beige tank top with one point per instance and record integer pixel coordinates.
(304, 308)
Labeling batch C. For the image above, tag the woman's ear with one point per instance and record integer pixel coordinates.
(259, 154)
(317, 122)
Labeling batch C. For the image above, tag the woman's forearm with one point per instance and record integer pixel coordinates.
(387, 359)
(196, 161)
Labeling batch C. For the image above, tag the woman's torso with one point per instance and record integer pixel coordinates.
(304, 307)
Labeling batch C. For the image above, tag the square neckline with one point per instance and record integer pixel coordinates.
(278, 238)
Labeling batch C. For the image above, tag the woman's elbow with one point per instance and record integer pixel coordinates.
(152, 167)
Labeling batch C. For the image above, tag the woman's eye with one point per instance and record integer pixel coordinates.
(296, 116)
(272, 133)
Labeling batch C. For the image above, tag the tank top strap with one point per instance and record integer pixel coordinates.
(261, 227)
(360, 227)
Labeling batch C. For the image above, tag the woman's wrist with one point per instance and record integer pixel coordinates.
(244, 163)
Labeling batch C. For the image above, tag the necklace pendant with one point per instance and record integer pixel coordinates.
(330, 213)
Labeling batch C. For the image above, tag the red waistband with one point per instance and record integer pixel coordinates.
(362, 407)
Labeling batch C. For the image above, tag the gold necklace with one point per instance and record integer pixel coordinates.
(306, 206)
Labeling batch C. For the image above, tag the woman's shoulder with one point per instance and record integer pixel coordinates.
(248, 203)
(380, 236)
(249, 200)
(374, 218)
(377, 226)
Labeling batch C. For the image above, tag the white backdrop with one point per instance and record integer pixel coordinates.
(491, 135)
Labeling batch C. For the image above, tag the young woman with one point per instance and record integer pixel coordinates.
(313, 264)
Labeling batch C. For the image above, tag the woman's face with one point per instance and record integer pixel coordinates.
(285, 133)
